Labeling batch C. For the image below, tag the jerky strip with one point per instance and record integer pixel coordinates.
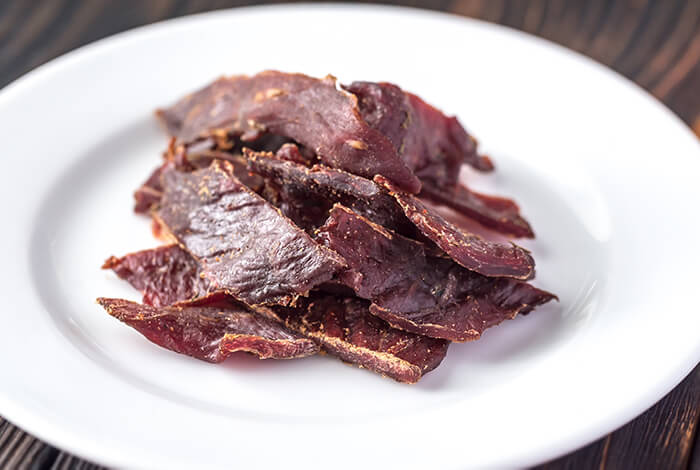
(316, 113)
(188, 158)
(185, 159)
(443, 135)
(210, 333)
(497, 213)
(148, 195)
(342, 326)
(164, 275)
(467, 249)
(345, 328)
(306, 195)
(418, 293)
(244, 245)
(433, 145)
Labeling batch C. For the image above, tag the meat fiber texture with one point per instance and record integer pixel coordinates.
(342, 326)
(413, 291)
(244, 245)
(306, 194)
(211, 333)
(293, 208)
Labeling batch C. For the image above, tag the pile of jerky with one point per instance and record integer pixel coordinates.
(294, 208)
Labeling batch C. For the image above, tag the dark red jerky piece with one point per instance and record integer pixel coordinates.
(496, 213)
(202, 153)
(446, 134)
(244, 245)
(414, 292)
(164, 275)
(306, 210)
(211, 333)
(312, 112)
(189, 157)
(167, 276)
(342, 326)
(306, 195)
(469, 250)
(345, 328)
(431, 144)
(147, 196)
(227, 147)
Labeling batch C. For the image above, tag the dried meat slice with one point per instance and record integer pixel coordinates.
(444, 137)
(148, 195)
(244, 245)
(211, 333)
(433, 145)
(164, 275)
(415, 292)
(496, 213)
(341, 325)
(307, 194)
(315, 113)
(467, 249)
(345, 328)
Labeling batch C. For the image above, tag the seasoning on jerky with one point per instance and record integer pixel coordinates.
(211, 333)
(414, 292)
(244, 245)
(497, 213)
(306, 194)
(164, 275)
(345, 328)
(315, 113)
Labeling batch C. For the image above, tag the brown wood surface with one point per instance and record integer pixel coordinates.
(655, 43)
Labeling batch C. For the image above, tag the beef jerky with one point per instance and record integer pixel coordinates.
(469, 250)
(164, 275)
(443, 137)
(244, 245)
(414, 292)
(315, 113)
(306, 194)
(345, 328)
(148, 195)
(433, 145)
(188, 158)
(305, 209)
(210, 333)
(202, 153)
(496, 213)
(342, 325)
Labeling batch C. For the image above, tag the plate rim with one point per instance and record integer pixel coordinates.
(33, 423)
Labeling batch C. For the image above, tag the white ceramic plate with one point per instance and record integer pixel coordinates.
(607, 175)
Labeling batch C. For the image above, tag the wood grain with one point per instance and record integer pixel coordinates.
(654, 43)
(662, 438)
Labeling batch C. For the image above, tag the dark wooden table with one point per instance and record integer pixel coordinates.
(655, 43)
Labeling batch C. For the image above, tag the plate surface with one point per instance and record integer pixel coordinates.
(606, 175)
